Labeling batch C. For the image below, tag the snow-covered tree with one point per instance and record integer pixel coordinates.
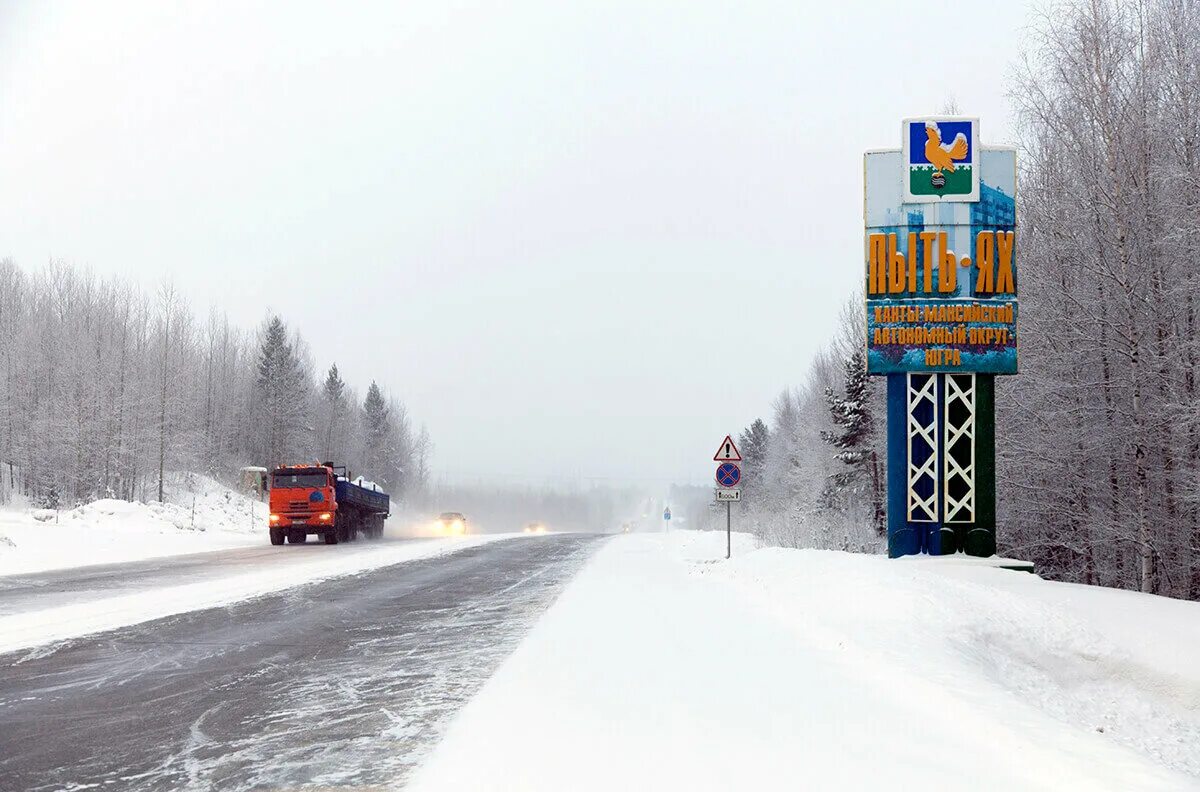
(105, 390)
(281, 390)
(1098, 455)
(388, 451)
(752, 443)
(334, 409)
(854, 437)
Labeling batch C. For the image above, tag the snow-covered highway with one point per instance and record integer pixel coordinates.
(38, 590)
(488, 662)
(341, 681)
(42, 608)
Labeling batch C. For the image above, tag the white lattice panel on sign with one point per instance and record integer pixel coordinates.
(959, 456)
(922, 388)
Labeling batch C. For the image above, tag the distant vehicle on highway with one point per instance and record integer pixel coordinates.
(451, 523)
(320, 499)
(535, 528)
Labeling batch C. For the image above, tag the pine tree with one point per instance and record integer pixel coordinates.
(378, 437)
(281, 395)
(334, 386)
(752, 443)
(851, 413)
(333, 392)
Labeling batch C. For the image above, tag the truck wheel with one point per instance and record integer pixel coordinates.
(331, 537)
(276, 536)
(297, 537)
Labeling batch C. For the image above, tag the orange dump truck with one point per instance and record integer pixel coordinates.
(320, 499)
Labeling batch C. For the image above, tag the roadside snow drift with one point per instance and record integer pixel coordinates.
(199, 514)
(663, 666)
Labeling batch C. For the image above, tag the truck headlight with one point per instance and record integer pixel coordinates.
(326, 516)
(274, 518)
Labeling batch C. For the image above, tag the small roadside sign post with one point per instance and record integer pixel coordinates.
(728, 476)
(667, 518)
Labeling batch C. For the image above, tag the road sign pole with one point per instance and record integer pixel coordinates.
(728, 476)
(728, 535)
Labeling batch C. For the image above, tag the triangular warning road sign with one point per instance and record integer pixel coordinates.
(727, 452)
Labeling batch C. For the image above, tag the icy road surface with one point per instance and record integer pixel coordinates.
(47, 607)
(23, 593)
(343, 682)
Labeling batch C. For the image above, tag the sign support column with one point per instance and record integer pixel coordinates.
(728, 476)
(980, 539)
(728, 531)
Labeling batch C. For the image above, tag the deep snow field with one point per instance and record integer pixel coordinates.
(664, 666)
(110, 531)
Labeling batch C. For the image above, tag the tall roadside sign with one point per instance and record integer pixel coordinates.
(728, 476)
(940, 259)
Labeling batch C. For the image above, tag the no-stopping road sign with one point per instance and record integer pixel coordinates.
(728, 474)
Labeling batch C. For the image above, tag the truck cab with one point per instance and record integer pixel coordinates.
(303, 501)
(321, 499)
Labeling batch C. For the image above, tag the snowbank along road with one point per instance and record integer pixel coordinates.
(341, 682)
(662, 666)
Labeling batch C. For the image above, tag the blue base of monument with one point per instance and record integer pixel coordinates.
(908, 537)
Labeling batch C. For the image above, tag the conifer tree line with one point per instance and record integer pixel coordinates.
(814, 472)
(1098, 437)
(105, 390)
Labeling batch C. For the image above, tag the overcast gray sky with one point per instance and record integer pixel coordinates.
(578, 239)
